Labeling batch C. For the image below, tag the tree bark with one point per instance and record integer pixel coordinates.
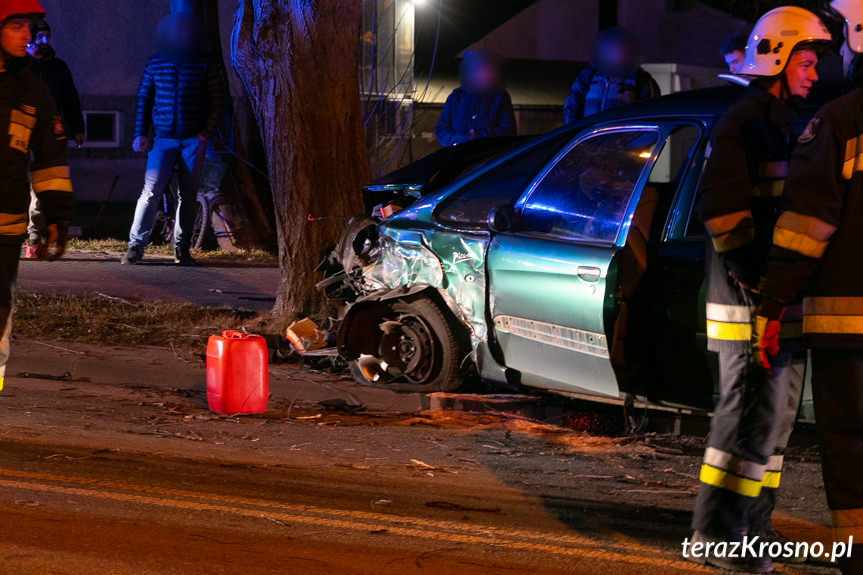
(298, 60)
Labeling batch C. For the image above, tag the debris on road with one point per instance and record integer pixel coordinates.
(305, 336)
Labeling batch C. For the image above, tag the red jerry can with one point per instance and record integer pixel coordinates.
(237, 379)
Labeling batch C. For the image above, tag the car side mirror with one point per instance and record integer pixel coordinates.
(502, 219)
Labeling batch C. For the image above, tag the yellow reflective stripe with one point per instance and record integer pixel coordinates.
(841, 324)
(2, 381)
(853, 160)
(833, 306)
(729, 222)
(811, 226)
(13, 224)
(847, 523)
(57, 172)
(771, 479)
(729, 331)
(728, 313)
(769, 170)
(55, 185)
(733, 240)
(26, 120)
(800, 243)
(729, 481)
(769, 189)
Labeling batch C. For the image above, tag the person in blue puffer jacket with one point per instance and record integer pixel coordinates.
(181, 99)
(480, 108)
(613, 78)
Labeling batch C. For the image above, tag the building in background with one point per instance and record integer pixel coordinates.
(546, 44)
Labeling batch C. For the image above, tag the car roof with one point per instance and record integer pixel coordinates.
(706, 102)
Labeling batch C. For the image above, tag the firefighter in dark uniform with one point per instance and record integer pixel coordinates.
(33, 149)
(741, 190)
(817, 249)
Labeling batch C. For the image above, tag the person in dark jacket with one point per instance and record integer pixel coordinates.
(741, 190)
(613, 78)
(480, 108)
(33, 151)
(816, 252)
(181, 97)
(54, 72)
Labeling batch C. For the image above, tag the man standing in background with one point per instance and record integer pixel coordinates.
(613, 78)
(180, 98)
(54, 72)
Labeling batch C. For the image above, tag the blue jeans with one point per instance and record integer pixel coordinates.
(188, 157)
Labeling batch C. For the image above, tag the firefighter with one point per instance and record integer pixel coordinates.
(741, 190)
(32, 127)
(817, 245)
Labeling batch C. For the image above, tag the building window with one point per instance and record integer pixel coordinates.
(102, 129)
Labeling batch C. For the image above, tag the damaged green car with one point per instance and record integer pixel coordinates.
(572, 263)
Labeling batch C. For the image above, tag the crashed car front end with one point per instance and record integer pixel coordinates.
(381, 270)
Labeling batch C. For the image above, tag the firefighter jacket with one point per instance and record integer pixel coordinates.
(31, 124)
(818, 240)
(741, 193)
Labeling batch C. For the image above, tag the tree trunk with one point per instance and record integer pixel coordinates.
(298, 60)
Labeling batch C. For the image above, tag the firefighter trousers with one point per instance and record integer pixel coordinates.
(748, 434)
(9, 256)
(837, 387)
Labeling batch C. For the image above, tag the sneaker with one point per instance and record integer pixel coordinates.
(184, 259)
(749, 565)
(133, 257)
(34, 251)
(773, 536)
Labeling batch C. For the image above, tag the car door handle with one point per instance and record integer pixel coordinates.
(589, 273)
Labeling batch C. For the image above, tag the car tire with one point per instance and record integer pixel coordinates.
(441, 371)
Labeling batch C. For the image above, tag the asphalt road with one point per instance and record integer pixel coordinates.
(141, 517)
(139, 480)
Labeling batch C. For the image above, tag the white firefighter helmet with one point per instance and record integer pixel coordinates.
(776, 35)
(852, 12)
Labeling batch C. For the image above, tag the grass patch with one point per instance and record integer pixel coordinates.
(113, 321)
(120, 246)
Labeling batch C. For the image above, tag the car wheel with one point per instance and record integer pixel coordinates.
(417, 350)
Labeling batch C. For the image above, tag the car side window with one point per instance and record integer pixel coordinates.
(469, 207)
(585, 195)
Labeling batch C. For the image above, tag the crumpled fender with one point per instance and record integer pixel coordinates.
(362, 319)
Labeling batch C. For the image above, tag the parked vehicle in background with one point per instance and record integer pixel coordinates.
(571, 264)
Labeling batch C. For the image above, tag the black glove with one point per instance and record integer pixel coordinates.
(58, 235)
(744, 266)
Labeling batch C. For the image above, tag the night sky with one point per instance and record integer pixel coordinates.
(462, 22)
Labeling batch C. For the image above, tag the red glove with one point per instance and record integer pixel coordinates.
(765, 331)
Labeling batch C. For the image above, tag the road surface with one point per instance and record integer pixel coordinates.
(136, 479)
